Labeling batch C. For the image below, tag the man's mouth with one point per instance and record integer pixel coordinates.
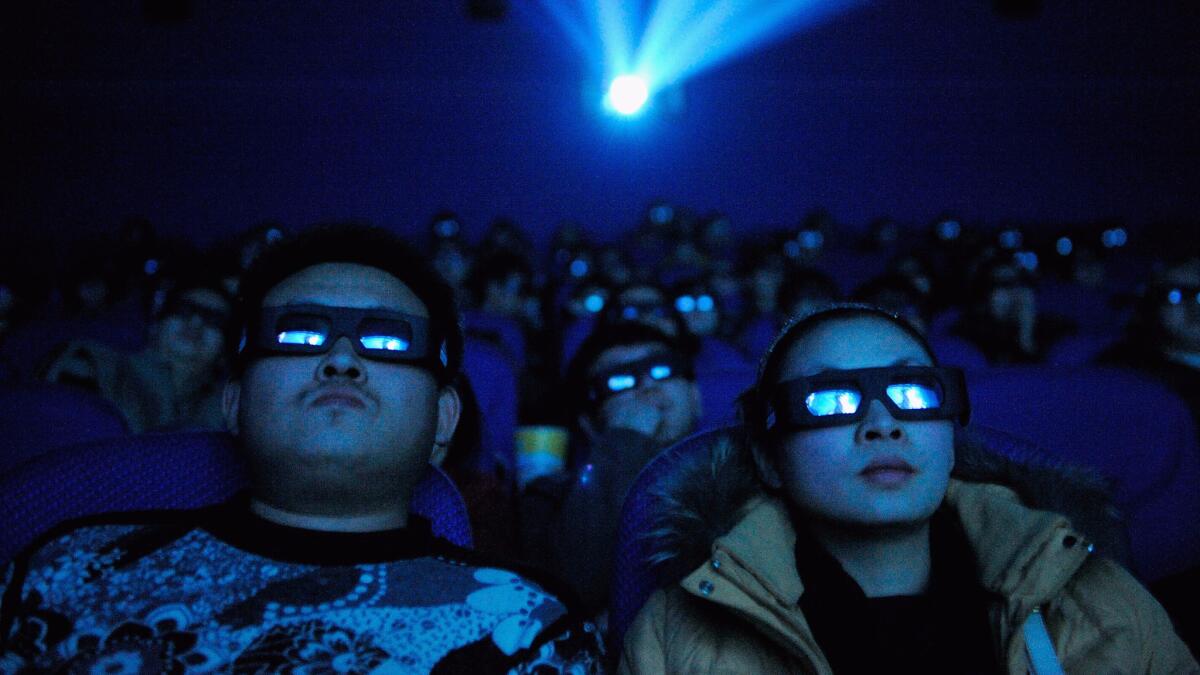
(339, 398)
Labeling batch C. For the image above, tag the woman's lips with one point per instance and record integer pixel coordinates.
(888, 472)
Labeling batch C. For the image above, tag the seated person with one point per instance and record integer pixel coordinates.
(898, 295)
(804, 290)
(858, 537)
(635, 394)
(1163, 340)
(1002, 318)
(341, 397)
(175, 382)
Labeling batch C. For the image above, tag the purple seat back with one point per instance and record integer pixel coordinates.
(36, 418)
(495, 383)
(633, 579)
(722, 374)
(952, 350)
(161, 471)
(1130, 429)
(1080, 350)
(1090, 309)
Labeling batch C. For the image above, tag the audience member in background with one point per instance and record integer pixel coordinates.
(896, 294)
(697, 307)
(634, 390)
(1164, 338)
(613, 264)
(498, 283)
(846, 531)
(1001, 318)
(248, 246)
(343, 394)
(696, 304)
(646, 303)
(804, 290)
(801, 290)
(175, 382)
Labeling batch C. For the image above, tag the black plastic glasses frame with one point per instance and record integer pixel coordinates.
(788, 407)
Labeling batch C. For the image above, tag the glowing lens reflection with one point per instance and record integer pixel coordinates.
(301, 337)
(913, 396)
(833, 402)
(388, 343)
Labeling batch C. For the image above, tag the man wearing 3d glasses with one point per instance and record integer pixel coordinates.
(635, 393)
(852, 527)
(341, 397)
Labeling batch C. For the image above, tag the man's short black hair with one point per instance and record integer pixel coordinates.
(360, 245)
(605, 337)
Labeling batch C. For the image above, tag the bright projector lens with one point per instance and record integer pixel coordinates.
(627, 94)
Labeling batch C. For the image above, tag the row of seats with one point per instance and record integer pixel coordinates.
(1130, 429)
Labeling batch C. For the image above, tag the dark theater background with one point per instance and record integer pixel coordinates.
(207, 116)
(1016, 182)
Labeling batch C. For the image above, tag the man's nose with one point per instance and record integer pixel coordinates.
(879, 425)
(341, 361)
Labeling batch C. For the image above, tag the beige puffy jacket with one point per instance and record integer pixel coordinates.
(739, 612)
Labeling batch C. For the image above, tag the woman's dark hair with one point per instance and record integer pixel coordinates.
(752, 404)
(360, 245)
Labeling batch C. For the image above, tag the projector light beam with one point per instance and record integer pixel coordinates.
(679, 38)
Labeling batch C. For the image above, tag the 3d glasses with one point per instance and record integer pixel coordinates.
(1178, 295)
(837, 397)
(629, 376)
(688, 303)
(378, 334)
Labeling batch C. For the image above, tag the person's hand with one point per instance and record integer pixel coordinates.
(633, 410)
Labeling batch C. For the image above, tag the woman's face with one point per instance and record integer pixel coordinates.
(878, 471)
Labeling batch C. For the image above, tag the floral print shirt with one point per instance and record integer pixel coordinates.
(221, 590)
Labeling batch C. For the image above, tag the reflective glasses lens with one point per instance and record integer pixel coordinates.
(660, 372)
(301, 337)
(833, 402)
(390, 343)
(914, 396)
(621, 382)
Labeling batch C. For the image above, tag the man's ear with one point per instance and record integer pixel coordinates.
(231, 399)
(767, 471)
(449, 409)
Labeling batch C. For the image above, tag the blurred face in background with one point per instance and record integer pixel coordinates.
(699, 312)
(192, 329)
(1178, 313)
(672, 404)
(1010, 297)
(451, 262)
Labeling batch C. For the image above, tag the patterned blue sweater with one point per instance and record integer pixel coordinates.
(221, 590)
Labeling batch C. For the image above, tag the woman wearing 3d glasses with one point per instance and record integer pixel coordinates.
(848, 531)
